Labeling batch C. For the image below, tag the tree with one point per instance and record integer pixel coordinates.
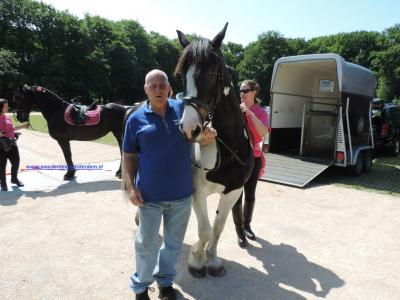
(233, 54)
(10, 77)
(259, 59)
(386, 64)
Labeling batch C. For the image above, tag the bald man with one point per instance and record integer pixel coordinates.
(158, 170)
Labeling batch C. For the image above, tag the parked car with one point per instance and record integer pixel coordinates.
(386, 127)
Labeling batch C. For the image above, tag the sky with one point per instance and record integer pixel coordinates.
(247, 18)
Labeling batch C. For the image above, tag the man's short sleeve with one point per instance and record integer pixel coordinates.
(129, 144)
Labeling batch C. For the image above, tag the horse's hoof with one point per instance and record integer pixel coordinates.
(69, 177)
(197, 273)
(216, 272)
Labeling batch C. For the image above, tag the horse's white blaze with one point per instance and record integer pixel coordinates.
(191, 89)
(190, 118)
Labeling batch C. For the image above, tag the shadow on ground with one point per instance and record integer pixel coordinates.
(285, 270)
(11, 197)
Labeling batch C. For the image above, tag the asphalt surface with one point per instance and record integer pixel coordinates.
(75, 240)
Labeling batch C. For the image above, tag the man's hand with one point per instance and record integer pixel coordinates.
(136, 197)
(208, 136)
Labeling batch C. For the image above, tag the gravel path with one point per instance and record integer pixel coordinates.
(74, 240)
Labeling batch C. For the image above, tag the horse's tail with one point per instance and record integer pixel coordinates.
(124, 187)
(124, 181)
(128, 111)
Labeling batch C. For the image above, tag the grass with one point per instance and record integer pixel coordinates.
(39, 123)
(384, 177)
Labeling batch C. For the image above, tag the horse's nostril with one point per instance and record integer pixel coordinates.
(197, 131)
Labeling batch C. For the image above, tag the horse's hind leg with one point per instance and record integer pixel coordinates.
(66, 148)
(214, 263)
(197, 257)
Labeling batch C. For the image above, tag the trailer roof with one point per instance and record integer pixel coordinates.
(352, 78)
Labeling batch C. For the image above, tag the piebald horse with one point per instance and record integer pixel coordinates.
(223, 166)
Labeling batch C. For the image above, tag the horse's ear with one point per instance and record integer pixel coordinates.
(217, 41)
(182, 39)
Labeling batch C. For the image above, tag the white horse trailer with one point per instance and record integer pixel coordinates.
(320, 116)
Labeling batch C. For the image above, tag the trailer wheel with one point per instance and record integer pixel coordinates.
(367, 161)
(357, 169)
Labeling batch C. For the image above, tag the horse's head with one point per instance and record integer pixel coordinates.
(32, 96)
(205, 80)
(24, 102)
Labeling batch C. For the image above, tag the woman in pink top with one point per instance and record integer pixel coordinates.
(7, 130)
(258, 123)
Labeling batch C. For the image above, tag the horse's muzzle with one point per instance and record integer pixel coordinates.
(191, 135)
(22, 116)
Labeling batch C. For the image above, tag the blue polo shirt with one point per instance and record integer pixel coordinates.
(164, 167)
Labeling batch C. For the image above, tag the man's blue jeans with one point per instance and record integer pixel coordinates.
(151, 263)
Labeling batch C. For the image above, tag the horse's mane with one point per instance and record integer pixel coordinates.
(197, 52)
(40, 89)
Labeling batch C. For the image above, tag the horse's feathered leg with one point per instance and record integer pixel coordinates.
(197, 257)
(66, 149)
(214, 264)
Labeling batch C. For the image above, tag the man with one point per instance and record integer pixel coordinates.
(159, 177)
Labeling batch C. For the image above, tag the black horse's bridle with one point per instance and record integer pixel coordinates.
(196, 103)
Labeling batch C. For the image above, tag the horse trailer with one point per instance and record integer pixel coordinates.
(320, 116)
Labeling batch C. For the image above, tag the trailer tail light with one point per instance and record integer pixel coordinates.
(340, 156)
(265, 148)
(385, 129)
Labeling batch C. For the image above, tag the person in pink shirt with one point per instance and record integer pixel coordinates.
(8, 130)
(258, 124)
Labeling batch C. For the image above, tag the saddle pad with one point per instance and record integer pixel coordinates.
(93, 116)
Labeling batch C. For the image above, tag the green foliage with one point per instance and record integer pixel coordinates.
(107, 60)
(10, 77)
(259, 59)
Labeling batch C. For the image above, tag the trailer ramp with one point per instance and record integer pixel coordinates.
(292, 170)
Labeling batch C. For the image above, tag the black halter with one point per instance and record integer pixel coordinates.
(196, 103)
(210, 107)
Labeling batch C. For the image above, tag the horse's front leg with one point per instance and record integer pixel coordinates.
(214, 263)
(66, 148)
(197, 257)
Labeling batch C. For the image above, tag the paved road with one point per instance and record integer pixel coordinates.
(74, 240)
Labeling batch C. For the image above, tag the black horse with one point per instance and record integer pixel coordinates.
(222, 167)
(53, 108)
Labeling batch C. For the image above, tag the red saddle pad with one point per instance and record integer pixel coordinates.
(93, 116)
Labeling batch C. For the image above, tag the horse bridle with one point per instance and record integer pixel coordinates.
(196, 103)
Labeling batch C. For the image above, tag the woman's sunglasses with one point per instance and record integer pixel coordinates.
(246, 91)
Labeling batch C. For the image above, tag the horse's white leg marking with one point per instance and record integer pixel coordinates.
(203, 189)
(197, 256)
(224, 207)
